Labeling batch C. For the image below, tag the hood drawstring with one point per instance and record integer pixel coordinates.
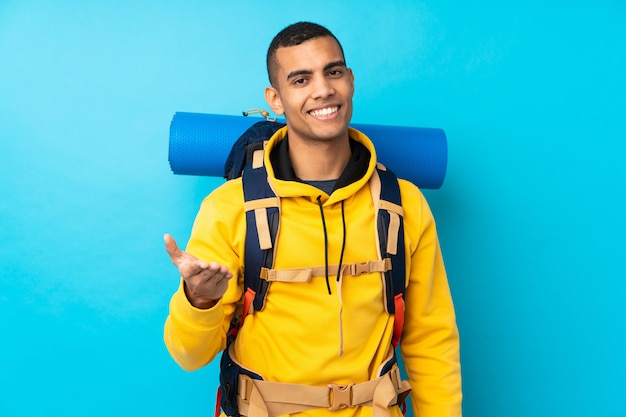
(343, 243)
(340, 280)
(339, 269)
(319, 203)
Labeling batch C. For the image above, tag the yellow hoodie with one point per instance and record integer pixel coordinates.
(306, 335)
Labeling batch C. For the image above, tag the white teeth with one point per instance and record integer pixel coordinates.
(325, 112)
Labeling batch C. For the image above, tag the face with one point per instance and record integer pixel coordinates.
(313, 90)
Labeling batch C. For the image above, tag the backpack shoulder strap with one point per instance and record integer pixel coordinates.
(262, 219)
(390, 229)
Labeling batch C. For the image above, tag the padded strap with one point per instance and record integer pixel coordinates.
(262, 208)
(391, 243)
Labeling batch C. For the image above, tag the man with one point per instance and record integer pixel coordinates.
(330, 331)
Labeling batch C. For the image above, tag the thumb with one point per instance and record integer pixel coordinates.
(180, 257)
(171, 246)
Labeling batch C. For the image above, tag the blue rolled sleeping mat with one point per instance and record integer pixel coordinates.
(200, 144)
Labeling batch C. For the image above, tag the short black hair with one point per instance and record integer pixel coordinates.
(292, 35)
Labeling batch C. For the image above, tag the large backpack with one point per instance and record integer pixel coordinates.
(262, 221)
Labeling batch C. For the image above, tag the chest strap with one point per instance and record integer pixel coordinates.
(258, 398)
(305, 274)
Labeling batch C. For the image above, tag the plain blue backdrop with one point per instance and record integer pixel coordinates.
(531, 95)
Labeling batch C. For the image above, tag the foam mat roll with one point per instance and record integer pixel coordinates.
(200, 143)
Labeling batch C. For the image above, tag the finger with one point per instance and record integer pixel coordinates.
(214, 273)
(211, 271)
(220, 270)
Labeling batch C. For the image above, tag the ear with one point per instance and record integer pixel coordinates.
(351, 75)
(273, 99)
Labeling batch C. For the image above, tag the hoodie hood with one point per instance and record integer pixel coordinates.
(285, 183)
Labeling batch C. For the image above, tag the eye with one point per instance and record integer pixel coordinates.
(300, 81)
(335, 73)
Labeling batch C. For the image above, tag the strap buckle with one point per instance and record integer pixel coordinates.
(359, 268)
(340, 396)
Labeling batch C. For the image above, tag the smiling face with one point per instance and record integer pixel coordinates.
(313, 89)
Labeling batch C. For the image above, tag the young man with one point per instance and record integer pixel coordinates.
(327, 331)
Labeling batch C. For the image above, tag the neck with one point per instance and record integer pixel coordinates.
(318, 161)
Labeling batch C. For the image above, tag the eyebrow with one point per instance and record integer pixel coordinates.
(328, 66)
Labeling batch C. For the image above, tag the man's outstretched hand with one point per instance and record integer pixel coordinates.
(205, 282)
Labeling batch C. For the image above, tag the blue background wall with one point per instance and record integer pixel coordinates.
(533, 100)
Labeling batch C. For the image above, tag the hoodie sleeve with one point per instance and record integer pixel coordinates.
(430, 339)
(195, 336)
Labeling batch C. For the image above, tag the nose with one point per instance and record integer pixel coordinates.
(322, 88)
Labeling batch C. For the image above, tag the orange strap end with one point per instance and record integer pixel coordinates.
(248, 297)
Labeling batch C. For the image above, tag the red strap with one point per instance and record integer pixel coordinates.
(398, 323)
(218, 401)
(248, 297)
